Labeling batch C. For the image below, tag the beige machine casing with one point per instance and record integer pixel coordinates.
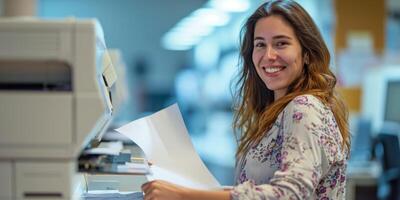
(43, 131)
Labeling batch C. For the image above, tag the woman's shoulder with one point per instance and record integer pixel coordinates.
(305, 108)
(309, 107)
(306, 101)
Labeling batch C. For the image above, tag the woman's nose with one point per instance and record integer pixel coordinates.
(270, 53)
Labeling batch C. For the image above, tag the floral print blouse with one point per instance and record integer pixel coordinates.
(301, 157)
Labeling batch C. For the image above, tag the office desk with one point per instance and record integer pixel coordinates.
(362, 174)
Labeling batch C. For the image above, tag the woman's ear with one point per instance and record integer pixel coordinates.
(306, 59)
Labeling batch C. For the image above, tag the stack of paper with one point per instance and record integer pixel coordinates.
(107, 148)
(138, 168)
(110, 195)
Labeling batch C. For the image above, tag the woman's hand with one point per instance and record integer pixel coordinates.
(162, 190)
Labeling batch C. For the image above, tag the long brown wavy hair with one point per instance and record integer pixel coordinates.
(255, 108)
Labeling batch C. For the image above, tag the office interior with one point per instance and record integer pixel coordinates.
(161, 55)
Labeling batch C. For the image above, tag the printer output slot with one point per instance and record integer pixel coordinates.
(41, 195)
(35, 75)
(111, 158)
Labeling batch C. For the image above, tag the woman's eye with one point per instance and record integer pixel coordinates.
(260, 44)
(281, 44)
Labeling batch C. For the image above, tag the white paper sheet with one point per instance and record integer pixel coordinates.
(164, 139)
(107, 148)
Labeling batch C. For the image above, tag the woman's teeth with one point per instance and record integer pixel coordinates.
(272, 69)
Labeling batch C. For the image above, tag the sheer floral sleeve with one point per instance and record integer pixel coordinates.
(309, 160)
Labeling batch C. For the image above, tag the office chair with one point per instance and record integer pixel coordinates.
(387, 151)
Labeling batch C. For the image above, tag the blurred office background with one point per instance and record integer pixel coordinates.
(170, 51)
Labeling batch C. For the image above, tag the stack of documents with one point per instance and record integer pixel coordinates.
(138, 168)
(110, 195)
(106, 148)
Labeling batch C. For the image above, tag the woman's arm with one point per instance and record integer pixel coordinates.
(162, 190)
(210, 195)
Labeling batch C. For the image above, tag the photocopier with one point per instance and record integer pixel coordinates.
(55, 101)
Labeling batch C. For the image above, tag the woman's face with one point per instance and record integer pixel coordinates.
(277, 54)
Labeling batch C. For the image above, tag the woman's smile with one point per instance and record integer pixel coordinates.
(273, 71)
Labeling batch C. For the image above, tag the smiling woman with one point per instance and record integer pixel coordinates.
(277, 54)
(293, 131)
